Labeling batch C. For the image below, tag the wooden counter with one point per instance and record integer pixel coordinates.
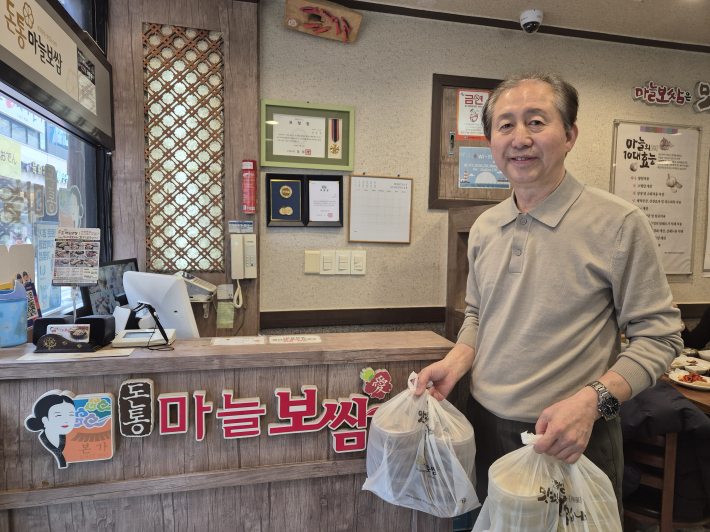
(173, 482)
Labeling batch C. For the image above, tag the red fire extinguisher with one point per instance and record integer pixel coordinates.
(249, 186)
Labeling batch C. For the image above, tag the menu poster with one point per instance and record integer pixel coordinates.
(76, 257)
(87, 82)
(655, 169)
(469, 114)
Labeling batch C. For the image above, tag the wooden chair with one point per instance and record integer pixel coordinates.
(657, 454)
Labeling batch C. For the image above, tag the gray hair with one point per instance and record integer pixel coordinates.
(566, 97)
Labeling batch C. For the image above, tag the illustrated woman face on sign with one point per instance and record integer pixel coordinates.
(53, 417)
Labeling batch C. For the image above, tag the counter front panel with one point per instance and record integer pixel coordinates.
(238, 476)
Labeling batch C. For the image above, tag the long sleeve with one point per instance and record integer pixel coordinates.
(643, 304)
(469, 330)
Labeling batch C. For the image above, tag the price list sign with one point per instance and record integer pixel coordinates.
(654, 168)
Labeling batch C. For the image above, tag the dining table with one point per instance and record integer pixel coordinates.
(699, 398)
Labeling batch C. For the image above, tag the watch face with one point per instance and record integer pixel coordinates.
(609, 407)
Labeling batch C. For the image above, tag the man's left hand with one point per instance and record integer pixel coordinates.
(567, 426)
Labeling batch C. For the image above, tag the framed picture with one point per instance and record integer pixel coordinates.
(284, 200)
(462, 172)
(302, 135)
(324, 200)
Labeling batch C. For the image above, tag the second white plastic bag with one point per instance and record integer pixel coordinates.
(530, 492)
(420, 454)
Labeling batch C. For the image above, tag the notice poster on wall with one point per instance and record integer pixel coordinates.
(654, 167)
(469, 114)
(76, 257)
(478, 170)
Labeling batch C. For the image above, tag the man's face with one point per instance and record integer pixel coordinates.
(528, 138)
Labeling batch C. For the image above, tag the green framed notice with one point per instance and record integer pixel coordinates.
(303, 135)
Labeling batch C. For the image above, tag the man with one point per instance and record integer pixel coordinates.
(554, 272)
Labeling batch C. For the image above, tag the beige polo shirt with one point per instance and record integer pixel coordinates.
(548, 292)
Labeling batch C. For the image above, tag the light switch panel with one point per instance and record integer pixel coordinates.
(342, 262)
(312, 262)
(327, 262)
(358, 262)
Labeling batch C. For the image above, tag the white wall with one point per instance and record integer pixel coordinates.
(387, 76)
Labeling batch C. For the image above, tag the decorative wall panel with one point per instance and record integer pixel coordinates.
(184, 132)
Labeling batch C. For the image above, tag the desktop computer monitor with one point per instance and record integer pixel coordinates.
(167, 294)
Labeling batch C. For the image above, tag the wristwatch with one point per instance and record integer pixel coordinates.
(608, 405)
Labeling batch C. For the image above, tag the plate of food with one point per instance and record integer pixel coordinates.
(682, 361)
(705, 355)
(690, 380)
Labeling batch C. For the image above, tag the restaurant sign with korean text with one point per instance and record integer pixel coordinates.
(658, 94)
(76, 428)
(31, 34)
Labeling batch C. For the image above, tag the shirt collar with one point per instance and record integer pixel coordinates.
(552, 208)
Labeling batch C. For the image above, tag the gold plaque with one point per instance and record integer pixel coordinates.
(286, 192)
(286, 211)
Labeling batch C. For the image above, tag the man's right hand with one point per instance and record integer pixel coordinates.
(447, 372)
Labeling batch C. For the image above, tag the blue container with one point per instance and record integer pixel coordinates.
(13, 316)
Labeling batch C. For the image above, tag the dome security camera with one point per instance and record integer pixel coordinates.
(530, 20)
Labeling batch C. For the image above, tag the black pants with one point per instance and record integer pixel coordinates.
(496, 437)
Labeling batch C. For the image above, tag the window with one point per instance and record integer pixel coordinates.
(33, 138)
(19, 133)
(5, 127)
(37, 179)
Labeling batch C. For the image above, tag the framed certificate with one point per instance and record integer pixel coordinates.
(324, 200)
(301, 135)
(284, 200)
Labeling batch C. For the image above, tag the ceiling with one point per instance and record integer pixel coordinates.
(682, 21)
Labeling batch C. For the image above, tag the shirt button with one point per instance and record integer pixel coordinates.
(523, 221)
(518, 252)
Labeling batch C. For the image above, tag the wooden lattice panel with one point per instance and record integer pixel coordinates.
(183, 72)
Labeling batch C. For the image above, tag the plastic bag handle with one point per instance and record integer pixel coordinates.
(414, 379)
(529, 439)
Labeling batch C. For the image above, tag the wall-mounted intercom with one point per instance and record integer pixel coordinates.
(243, 255)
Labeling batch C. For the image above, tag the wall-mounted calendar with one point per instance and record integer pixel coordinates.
(380, 209)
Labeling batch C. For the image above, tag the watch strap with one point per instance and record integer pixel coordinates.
(607, 405)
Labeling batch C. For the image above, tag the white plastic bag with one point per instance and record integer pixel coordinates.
(420, 454)
(530, 492)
